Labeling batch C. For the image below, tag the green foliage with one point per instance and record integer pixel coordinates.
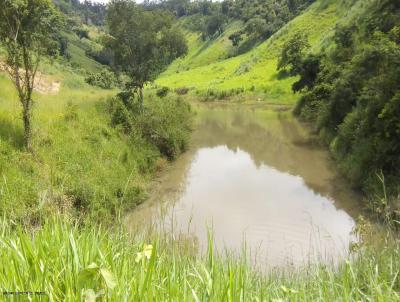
(28, 31)
(292, 53)
(163, 92)
(214, 64)
(81, 33)
(143, 42)
(236, 38)
(214, 26)
(78, 263)
(354, 99)
(213, 94)
(103, 55)
(262, 18)
(87, 12)
(105, 79)
(81, 167)
(165, 123)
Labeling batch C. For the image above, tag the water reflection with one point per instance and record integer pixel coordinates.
(256, 176)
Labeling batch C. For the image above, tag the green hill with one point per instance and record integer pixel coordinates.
(208, 66)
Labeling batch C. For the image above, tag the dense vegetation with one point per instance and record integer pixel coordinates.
(351, 94)
(72, 263)
(261, 19)
(97, 142)
(64, 172)
(88, 12)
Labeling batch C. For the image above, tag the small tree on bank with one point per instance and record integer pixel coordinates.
(293, 52)
(143, 42)
(27, 30)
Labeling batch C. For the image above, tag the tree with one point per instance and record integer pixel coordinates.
(256, 26)
(308, 72)
(214, 25)
(236, 38)
(293, 52)
(143, 42)
(27, 30)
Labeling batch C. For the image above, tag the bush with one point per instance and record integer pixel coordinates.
(104, 56)
(162, 92)
(212, 94)
(182, 90)
(104, 79)
(81, 33)
(165, 123)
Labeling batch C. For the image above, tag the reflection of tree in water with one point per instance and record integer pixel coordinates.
(281, 143)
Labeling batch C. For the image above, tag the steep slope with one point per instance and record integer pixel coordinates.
(207, 65)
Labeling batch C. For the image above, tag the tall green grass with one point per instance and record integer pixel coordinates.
(81, 164)
(73, 263)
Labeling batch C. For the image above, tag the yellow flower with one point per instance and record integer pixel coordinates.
(145, 254)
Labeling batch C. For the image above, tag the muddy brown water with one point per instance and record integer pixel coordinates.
(258, 179)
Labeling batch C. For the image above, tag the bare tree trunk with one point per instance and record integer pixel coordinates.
(26, 117)
(141, 99)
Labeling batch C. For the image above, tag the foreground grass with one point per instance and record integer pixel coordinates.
(71, 263)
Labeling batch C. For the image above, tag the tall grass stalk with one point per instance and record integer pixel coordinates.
(84, 263)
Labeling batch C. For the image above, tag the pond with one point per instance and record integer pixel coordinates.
(258, 179)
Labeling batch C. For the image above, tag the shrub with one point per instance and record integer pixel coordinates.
(81, 33)
(104, 79)
(212, 94)
(164, 123)
(162, 92)
(167, 124)
(182, 90)
(104, 56)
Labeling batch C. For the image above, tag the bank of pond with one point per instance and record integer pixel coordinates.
(255, 210)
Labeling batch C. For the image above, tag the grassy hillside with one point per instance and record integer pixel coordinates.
(208, 66)
(80, 162)
(77, 49)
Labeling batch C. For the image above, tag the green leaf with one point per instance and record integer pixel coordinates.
(109, 278)
(88, 274)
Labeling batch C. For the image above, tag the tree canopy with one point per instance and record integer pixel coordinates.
(352, 96)
(28, 31)
(143, 42)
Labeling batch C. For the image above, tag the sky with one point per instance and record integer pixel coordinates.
(106, 1)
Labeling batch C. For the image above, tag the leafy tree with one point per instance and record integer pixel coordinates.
(293, 52)
(344, 41)
(143, 42)
(236, 38)
(256, 26)
(308, 72)
(215, 25)
(352, 96)
(27, 30)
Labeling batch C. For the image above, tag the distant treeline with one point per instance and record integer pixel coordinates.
(89, 12)
(261, 18)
